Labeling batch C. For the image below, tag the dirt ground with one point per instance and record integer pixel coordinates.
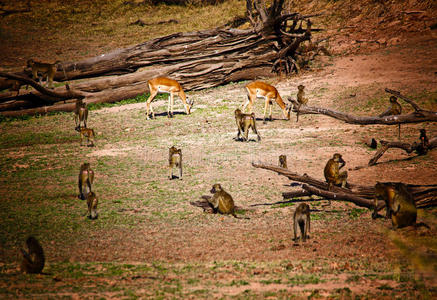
(151, 241)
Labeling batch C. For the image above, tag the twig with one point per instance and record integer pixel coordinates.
(69, 94)
(415, 117)
(399, 95)
(409, 148)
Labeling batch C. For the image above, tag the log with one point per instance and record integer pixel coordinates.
(350, 197)
(418, 116)
(53, 96)
(409, 148)
(198, 60)
(424, 195)
(296, 194)
(302, 178)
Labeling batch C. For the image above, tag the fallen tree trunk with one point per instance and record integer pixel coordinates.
(198, 60)
(424, 195)
(357, 200)
(409, 148)
(419, 115)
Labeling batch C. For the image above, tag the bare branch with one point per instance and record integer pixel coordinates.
(292, 35)
(409, 148)
(69, 94)
(399, 95)
(339, 196)
(424, 116)
(424, 195)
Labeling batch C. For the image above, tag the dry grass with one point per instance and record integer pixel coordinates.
(96, 27)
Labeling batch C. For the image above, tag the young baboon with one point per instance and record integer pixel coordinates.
(86, 179)
(394, 109)
(332, 172)
(14, 85)
(302, 218)
(221, 201)
(301, 99)
(80, 114)
(283, 161)
(45, 69)
(92, 202)
(33, 260)
(423, 146)
(87, 133)
(244, 123)
(175, 160)
(399, 203)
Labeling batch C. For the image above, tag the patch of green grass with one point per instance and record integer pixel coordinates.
(270, 281)
(384, 287)
(353, 278)
(302, 279)
(238, 283)
(355, 213)
(318, 216)
(281, 205)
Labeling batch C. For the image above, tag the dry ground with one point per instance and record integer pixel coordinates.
(151, 242)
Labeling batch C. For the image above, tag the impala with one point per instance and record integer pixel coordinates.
(259, 89)
(168, 86)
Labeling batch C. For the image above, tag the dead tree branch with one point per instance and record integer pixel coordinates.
(424, 195)
(198, 60)
(409, 148)
(418, 116)
(55, 96)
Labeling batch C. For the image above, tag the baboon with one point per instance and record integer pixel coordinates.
(283, 161)
(332, 172)
(394, 109)
(259, 89)
(87, 133)
(302, 218)
(301, 99)
(92, 202)
(80, 114)
(399, 204)
(175, 160)
(33, 260)
(86, 179)
(221, 201)
(168, 86)
(244, 123)
(45, 69)
(423, 146)
(14, 85)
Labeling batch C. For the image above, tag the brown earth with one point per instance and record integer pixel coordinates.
(172, 249)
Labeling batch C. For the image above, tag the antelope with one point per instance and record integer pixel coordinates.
(259, 89)
(168, 86)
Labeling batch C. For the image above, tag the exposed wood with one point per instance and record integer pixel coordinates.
(296, 194)
(197, 60)
(418, 116)
(302, 178)
(68, 94)
(424, 195)
(350, 197)
(15, 104)
(409, 148)
(408, 100)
